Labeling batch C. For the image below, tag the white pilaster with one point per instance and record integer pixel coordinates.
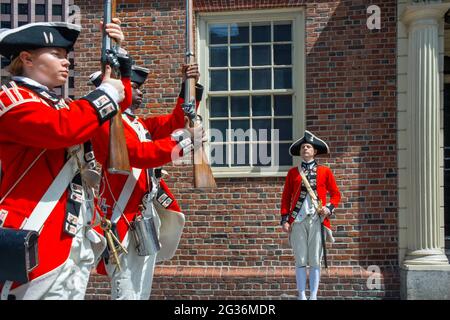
(423, 113)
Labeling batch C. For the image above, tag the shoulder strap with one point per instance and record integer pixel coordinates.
(51, 197)
(308, 186)
(125, 194)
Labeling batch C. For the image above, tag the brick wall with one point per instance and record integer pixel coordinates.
(232, 246)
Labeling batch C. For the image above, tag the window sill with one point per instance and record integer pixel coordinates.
(249, 173)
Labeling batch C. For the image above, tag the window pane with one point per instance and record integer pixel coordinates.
(240, 130)
(282, 105)
(261, 106)
(5, 24)
(6, 8)
(240, 154)
(218, 57)
(240, 124)
(240, 107)
(262, 129)
(22, 8)
(219, 80)
(262, 155)
(261, 33)
(282, 54)
(282, 32)
(218, 34)
(239, 56)
(240, 79)
(4, 62)
(261, 55)
(57, 10)
(40, 9)
(283, 78)
(286, 158)
(283, 157)
(262, 79)
(219, 107)
(285, 129)
(218, 155)
(239, 34)
(22, 23)
(218, 130)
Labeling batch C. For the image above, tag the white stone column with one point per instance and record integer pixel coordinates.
(423, 228)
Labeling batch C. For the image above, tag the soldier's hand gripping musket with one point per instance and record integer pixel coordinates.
(114, 64)
(203, 177)
(118, 161)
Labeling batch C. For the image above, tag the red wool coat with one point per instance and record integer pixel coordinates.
(143, 155)
(29, 124)
(326, 184)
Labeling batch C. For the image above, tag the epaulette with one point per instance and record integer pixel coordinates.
(12, 96)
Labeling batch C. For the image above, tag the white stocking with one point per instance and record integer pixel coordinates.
(300, 274)
(314, 279)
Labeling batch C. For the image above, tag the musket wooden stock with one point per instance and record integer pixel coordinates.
(118, 160)
(203, 176)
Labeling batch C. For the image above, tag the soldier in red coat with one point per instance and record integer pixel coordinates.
(144, 195)
(302, 212)
(45, 155)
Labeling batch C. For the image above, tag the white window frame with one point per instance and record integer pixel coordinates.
(297, 17)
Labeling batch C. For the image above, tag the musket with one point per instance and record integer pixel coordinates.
(118, 161)
(203, 177)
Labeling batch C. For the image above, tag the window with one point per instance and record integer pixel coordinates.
(23, 8)
(252, 68)
(5, 8)
(57, 10)
(40, 9)
(5, 24)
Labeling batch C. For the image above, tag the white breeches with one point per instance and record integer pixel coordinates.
(134, 281)
(306, 242)
(69, 281)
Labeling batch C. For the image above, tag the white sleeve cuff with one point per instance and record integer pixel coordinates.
(110, 91)
(122, 51)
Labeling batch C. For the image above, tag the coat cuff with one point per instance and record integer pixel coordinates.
(184, 141)
(284, 219)
(103, 104)
(198, 91)
(331, 208)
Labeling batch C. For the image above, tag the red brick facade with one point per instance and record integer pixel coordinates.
(232, 246)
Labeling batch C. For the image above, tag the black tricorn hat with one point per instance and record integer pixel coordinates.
(139, 74)
(95, 78)
(38, 35)
(308, 137)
